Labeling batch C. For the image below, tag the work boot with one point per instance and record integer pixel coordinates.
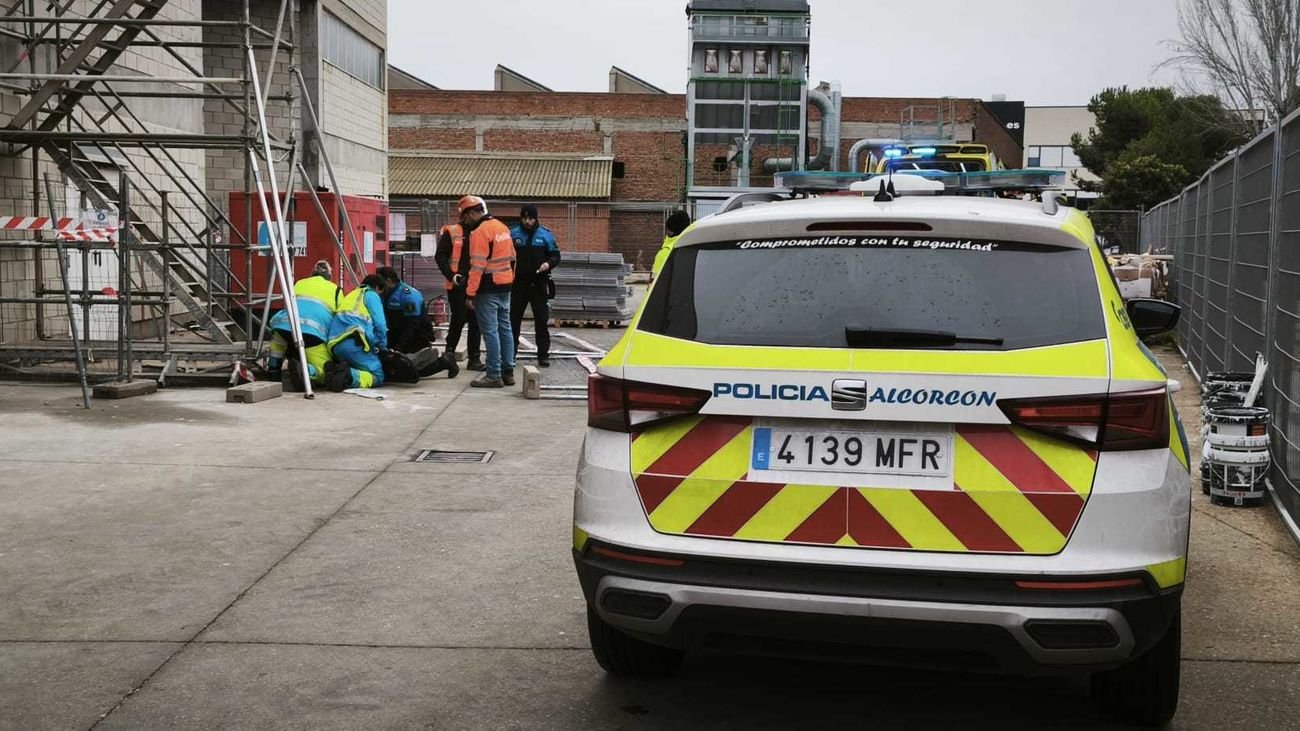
(508, 377)
(475, 364)
(486, 381)
(543, 362)
(295, 377)
(453, 368)
(338, 377)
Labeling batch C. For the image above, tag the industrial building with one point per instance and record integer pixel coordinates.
(607, 167)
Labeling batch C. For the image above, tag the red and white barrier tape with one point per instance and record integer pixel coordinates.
(68, 229)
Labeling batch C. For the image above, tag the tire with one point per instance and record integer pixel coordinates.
(1145, 691)
(625, 656)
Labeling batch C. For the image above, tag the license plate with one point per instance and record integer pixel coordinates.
(869, 452)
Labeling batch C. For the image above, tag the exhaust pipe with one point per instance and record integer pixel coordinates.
(828, 152)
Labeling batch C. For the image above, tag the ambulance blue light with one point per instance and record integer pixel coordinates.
(924, 151)
(894, 152)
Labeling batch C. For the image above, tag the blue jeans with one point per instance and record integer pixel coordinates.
(367, 370)
(493, 312)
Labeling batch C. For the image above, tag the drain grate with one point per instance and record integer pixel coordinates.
(448, 457)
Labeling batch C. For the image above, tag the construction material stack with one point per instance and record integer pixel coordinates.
(592, 288)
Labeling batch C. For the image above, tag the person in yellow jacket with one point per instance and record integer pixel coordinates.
(318, 300)
(674, 227)
(358, 338)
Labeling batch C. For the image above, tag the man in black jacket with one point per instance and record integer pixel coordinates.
(452, 258)
(536, 254)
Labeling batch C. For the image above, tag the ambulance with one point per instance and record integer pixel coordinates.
(948, 157)
(911, 428)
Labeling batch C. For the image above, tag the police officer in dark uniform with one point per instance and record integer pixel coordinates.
(536, 255)
(409, 327)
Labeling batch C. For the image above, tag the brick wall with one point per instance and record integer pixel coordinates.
(503, 140)
(537, 104)
(431, 139)
(654, 166)
(637, 235)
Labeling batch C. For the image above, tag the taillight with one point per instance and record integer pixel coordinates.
(1114, 422)
(627, 406)
(1137, 421)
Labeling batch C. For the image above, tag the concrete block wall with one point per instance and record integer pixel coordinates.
(354, 121)
(225, 168)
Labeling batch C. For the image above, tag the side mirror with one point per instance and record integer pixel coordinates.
(1153, 317)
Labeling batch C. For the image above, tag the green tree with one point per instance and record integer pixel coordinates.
(1141, 181)
(1161, 141)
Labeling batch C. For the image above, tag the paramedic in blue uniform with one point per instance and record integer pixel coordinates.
(536, 255)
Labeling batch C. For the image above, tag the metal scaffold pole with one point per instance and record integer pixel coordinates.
(276, 227)
(61, 252)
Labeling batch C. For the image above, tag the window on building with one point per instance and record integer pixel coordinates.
(620, 170)
(785, 63)
(730, 91)
(735, 62)
(350, 52)
(760, 62)
(784, 117)
(710, 60)
(719, 116)
(1052, 156)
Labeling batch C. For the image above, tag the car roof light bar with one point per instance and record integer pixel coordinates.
(990, 181)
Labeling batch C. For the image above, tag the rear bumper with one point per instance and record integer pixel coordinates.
(968, 622)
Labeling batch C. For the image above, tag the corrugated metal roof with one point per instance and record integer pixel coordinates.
(443, 176)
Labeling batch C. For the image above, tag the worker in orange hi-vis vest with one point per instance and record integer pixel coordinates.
(487, 291)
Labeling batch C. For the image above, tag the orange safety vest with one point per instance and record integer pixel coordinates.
(491, 253)
(457, 235)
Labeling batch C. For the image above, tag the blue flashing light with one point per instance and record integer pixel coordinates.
(894, 152)
(924, 151)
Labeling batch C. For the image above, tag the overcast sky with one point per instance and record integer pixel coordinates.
(1040, 52)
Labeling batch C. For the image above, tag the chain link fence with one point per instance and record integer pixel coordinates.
(1118, 229)
(1235, 239)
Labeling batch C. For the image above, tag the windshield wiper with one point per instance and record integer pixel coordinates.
(866, 337)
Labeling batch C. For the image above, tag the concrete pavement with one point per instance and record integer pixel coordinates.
(176, 561)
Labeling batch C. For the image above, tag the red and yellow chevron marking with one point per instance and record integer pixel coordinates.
(1014, 492)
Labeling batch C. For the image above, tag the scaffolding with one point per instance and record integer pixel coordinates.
(179, 309)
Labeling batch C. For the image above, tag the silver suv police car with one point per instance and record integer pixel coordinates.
(920, 431)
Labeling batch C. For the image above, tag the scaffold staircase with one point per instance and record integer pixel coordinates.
(92, 50)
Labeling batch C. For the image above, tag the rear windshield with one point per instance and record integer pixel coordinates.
(806, 292)
(947, 166)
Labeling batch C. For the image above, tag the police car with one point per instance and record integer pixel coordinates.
(915, 429)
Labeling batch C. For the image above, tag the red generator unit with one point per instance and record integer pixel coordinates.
(309, 235)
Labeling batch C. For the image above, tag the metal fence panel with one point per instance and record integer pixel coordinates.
(1254, 222)
(1285, 325)
(1218, 263)
(1235, 241)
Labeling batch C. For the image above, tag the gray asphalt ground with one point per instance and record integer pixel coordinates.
(176, 561)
